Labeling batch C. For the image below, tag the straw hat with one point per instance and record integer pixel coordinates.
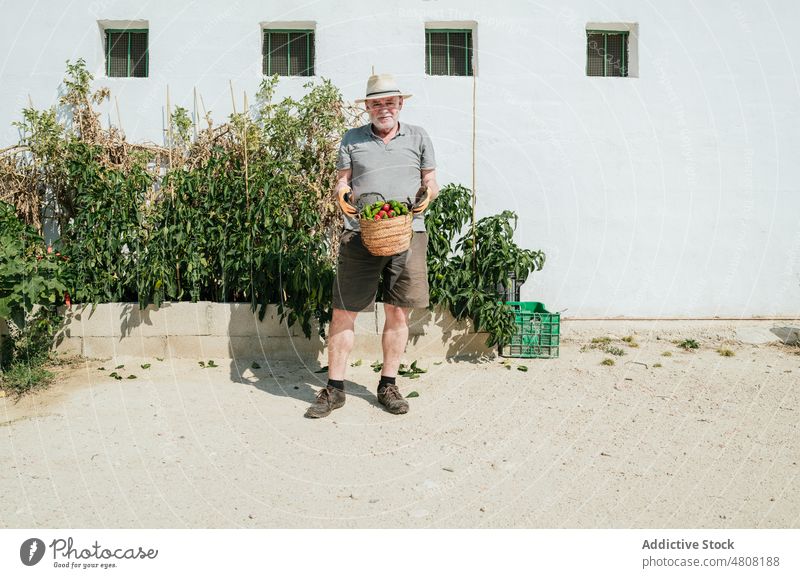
(382, 86)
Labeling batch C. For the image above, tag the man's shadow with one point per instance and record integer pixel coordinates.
(279, 359)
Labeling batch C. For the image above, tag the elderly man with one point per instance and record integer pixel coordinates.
(397, 161)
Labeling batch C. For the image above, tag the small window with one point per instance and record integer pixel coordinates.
(288, 52)
(126, 53)
(448, 52)
(606, 53)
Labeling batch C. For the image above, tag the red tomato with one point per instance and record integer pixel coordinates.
(387, 207)
(67, 300)
(49, 250)
(391, 213)
(382, 213)
(377, 218)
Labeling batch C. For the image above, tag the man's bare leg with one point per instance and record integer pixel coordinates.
(341, 337)
(395, 337)
(340, 342)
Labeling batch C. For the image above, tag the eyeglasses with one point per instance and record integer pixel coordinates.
(379, 105)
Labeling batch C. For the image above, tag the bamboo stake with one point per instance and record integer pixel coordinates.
(171, 187)
(246, 171)
(205, 111)
(247, 198)
(194, 89)
(119, 117)
(233, 100)
(474, 194)
(169, 133)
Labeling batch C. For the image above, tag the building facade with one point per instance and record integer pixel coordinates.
(649, 149)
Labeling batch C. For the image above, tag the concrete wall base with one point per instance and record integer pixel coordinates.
(206, 330)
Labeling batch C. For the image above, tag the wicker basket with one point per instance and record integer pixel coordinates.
(388, 236)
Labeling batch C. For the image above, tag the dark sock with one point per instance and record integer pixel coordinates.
(336, 384)
(385, 381)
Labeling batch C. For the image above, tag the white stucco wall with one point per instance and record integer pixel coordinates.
(671, 194)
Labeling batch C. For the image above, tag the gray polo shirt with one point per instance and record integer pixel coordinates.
(391, 169)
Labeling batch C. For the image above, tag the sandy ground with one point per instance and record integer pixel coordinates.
(704, 441)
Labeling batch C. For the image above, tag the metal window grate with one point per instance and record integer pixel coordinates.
(288, 52)
(127, 54)
(448, 52)
(606, 53)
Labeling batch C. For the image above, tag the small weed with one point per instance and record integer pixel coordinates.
(603, 344)
(613, 350)
(607, 361)
(145, 366)
(666, 354)
(725, 352)
(656, 365)
(255, 366)
(356, 363)
(22, 378)
(629, 340)
(688, 344)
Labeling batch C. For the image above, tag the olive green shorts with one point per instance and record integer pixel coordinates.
(404, 277)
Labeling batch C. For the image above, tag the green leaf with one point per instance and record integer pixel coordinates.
(522, 368)
(356, 363)
(255, 366)
(145, 366)
(131, 376)
(120, 366)
(412, 394)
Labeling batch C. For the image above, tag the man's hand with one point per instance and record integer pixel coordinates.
(344, 202)
(422, 201)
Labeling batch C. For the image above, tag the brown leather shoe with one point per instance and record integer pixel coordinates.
(392, 400)
(328, 399)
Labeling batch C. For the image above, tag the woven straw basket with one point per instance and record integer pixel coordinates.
(388, 236)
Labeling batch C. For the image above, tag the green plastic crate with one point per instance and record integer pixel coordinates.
(538, 331)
